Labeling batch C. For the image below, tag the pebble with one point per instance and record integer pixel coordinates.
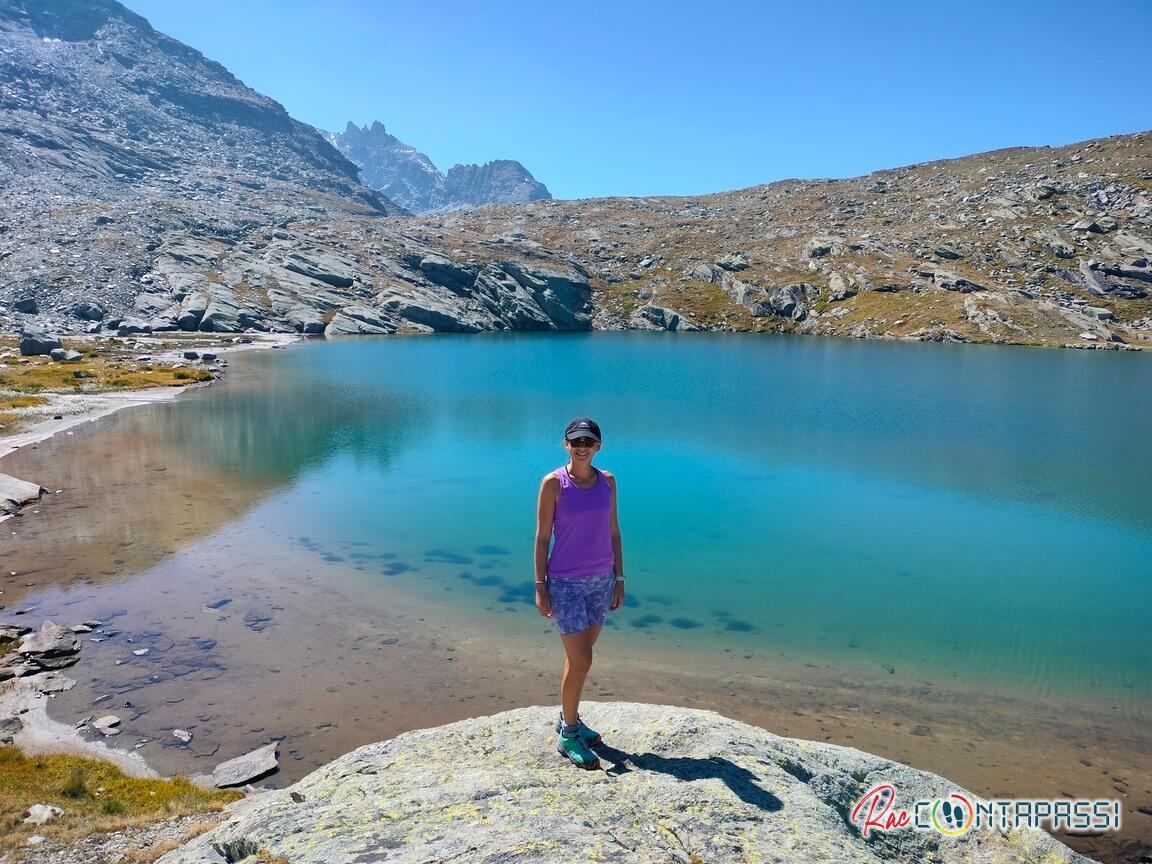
(114, 845)
(182, 735)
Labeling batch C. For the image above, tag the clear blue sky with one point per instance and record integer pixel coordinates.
(649, 98)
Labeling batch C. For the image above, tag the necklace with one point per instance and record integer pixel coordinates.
(578, 480)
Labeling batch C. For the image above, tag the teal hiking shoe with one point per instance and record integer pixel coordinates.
(590, 737)
(575, 750)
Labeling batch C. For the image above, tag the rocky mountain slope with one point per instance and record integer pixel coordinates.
(405, 175)
(1026, 245)
(144, 188)
(678, 785)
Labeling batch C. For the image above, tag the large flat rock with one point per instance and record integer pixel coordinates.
(15, 493)
(677, 785)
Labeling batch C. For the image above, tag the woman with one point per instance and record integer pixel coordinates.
(583, 575)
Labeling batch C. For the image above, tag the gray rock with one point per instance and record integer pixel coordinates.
(88, 310)
(952, 282)
(820, 247)
(946, 252)
(222, 314)
(1100, 314)
(323, 266)
(676, 785)
(665, 319)
(701, 273)
(1131, 244)
(191, 355)
(938, 333)
(10, 727)
(564, 296)
(733, 261)
(1055, 244)
(1097, 226)
(129, 326)
(244, 769)
(56, 354)
(42, 814)
(452, 276)
(14, 494)
(107, 725)
(359, 319)
(35, 341)
(883, 286)
(409, 178)
(1144, 274)
(839, 288)
(192, 309)
(791, 301)
(508, 300)
(27, 305)
(1095, 277)
(429, 311)
(51, 641)
(305, 319)
(148, 304)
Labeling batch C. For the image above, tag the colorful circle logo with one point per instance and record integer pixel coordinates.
(953, 816)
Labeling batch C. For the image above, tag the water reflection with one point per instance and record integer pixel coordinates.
(140, 484)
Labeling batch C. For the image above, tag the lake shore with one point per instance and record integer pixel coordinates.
(74, 409)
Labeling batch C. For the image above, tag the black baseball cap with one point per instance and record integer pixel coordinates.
(582, 427)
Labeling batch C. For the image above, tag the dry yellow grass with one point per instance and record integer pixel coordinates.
(95, 797)
(26, 382)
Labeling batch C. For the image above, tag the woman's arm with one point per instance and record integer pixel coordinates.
(545, 514)
(617, 548)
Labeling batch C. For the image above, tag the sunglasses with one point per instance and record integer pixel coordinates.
(583, 442)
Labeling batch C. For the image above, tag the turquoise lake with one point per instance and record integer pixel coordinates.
(980, 514)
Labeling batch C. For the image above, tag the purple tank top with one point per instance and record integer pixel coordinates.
(582, 529)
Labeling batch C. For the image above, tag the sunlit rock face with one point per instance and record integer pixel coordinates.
(674, 784)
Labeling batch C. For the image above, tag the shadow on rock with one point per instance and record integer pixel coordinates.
(741, 781)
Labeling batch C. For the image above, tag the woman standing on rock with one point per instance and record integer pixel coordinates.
(582, 577)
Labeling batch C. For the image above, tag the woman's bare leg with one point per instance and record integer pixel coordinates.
(578, 660)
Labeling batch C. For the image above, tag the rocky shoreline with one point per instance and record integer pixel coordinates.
(676, 785)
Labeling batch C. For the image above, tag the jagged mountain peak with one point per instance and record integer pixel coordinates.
(405, 175)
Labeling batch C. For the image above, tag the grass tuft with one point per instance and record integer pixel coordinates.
(77, 785)
(95, 797)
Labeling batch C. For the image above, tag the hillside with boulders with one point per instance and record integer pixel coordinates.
(146, 189)
(1026, 245)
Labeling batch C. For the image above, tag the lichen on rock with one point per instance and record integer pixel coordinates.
(677, 785)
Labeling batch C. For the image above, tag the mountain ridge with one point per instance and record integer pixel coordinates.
(405, 175)
(145, 180)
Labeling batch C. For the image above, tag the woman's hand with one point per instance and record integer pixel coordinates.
(543, 600)
(617, 596)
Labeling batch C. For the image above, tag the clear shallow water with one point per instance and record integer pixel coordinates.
(973, 514)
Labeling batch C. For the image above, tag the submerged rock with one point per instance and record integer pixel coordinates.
(15, 493)
(243, 769)
(677, 785)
